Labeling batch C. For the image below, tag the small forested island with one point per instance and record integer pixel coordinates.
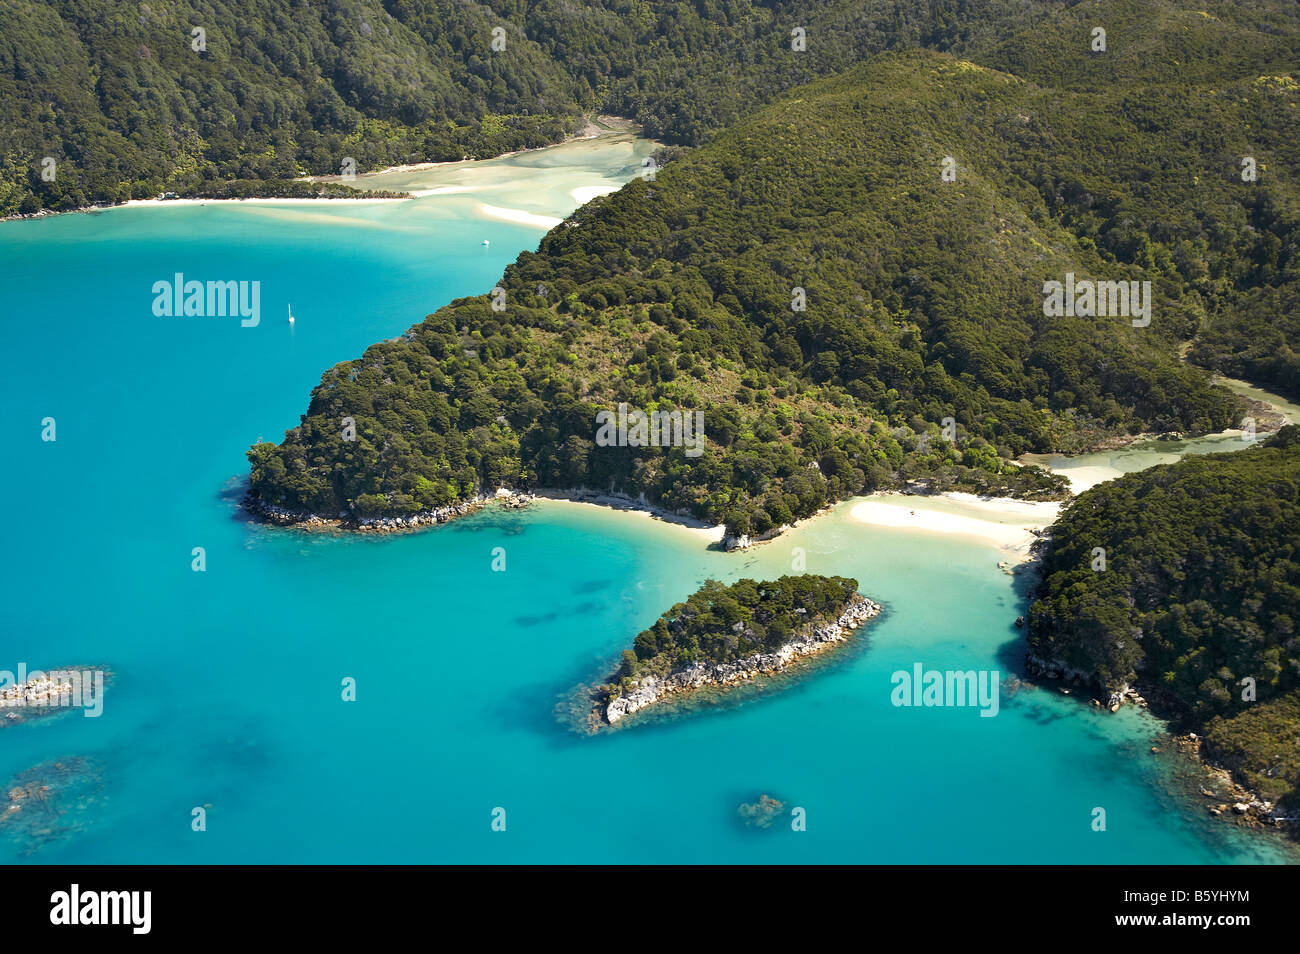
(723, 635)
(1184, 581)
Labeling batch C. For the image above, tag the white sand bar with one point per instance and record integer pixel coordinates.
(518, 216)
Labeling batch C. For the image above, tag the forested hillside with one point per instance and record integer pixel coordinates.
(924, 301)
(1197, 600)
(805, 277)
(117, 94)
(1223, 75)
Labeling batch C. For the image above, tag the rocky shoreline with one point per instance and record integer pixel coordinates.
(270, 513)
(53, 692)
(814, 639)
(504, 497)
(745, 540)
(1239, 804)
(1230, 799)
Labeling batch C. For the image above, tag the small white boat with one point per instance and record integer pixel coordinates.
(486, 242)
(291, 314)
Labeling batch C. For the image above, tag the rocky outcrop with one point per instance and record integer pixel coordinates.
(45, 690)
(810, 640)
(52, 692)
(509, 499)
(1231, 799)
(761, 813)
(1113, 696)
(744, 540)
(1056, 669)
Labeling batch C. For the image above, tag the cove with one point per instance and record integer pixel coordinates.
(228, 690)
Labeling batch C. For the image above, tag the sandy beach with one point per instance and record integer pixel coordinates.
(1002, 522)
(701, 531)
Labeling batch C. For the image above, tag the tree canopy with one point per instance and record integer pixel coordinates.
(1198, 599)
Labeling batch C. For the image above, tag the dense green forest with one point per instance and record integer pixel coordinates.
(1198, 601)
(720, 623)
(129, 103)
(118, 97)
(923, 302)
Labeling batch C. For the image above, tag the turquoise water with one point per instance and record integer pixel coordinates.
(226, 688)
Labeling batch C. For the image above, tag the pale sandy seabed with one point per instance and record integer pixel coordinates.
(533, 187)
(528, 187)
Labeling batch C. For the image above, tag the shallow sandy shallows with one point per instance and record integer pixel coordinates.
(526, 188)
(1003, 522)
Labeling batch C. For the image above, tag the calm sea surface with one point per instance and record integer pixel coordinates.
(226, 684)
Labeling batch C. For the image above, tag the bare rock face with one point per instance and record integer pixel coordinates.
(737, 542)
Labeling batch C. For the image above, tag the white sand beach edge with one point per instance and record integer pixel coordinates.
(1003, 522)
(701, 531)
